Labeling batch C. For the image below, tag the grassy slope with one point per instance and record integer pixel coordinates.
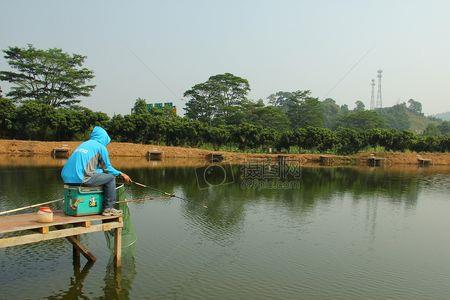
(419, 123)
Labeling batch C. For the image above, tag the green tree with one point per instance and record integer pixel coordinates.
(359, 106)
(380, 137)
(315, 138)
(344, 108)
(404, 140)
(270, 117)
(34, 120)
(361, 120)
(396, 117)
(289, 103)
(444, 128)
(7, 117)
(350, 140)
(140, 106)
(50, 76)
(246, 135)
(431, 130)
(310, 113)
(415, 106)
(212, 99)
(218, 136)
(330, 112)
(75, 123)
(285, 141)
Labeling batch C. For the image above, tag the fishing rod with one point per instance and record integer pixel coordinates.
(169, 195)
(141, 200)
(30, 206)
(159, 191)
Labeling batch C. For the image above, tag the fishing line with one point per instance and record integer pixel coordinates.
(159, 191)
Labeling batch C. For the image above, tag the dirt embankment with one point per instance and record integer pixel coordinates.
(39, 148)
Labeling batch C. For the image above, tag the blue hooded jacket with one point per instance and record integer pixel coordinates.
(89, 158)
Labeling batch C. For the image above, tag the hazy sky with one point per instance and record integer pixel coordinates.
(276, 45)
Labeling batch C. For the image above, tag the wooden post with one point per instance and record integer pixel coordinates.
(81, 249)
(78, 248)
(76, 252)
(118, 247)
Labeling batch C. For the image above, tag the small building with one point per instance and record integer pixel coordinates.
(151, 107)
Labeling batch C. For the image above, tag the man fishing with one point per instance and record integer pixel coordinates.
(89, 165)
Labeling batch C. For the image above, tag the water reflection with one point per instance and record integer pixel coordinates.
(22, 185)
(75, 286)
(226, 204)
(334, 234)
(117, 282)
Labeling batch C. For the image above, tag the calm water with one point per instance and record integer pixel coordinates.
(343, 233)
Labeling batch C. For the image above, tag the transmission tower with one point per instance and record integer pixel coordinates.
(379, 97)
(372, 96)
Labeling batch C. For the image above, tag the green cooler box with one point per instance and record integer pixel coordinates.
(82, 201)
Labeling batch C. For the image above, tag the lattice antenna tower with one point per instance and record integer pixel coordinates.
(372, 96)
(379, 95)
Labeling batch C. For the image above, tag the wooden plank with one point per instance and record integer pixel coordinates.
(83, 224)
(80, 248)
(118, 247)
(55, 234)
(29, 221)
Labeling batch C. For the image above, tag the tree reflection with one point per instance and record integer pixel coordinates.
(225, 205)
(220, 209)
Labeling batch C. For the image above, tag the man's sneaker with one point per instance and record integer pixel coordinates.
(112, 212)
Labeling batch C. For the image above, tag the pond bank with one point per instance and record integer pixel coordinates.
(40, 148)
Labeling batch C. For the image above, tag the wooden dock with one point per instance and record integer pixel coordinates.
(155, 155)
(17, 229)
(62, 152)
(424, 162)
(215, 157)
(326, 160)
(376, 161)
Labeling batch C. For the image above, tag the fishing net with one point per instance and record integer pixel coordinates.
(128, 231)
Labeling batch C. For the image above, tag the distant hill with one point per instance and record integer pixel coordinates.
(443, 116)
(401, 118)
(418, 123)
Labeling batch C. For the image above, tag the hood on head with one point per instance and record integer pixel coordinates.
(100, 135)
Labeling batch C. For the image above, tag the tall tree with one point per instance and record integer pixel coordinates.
(359, 106)
(212, 99)
(415, 106)
(140, 106)
(311, 113)
(267, 116)
(51, 76)
(330, 112)
(290, 102)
